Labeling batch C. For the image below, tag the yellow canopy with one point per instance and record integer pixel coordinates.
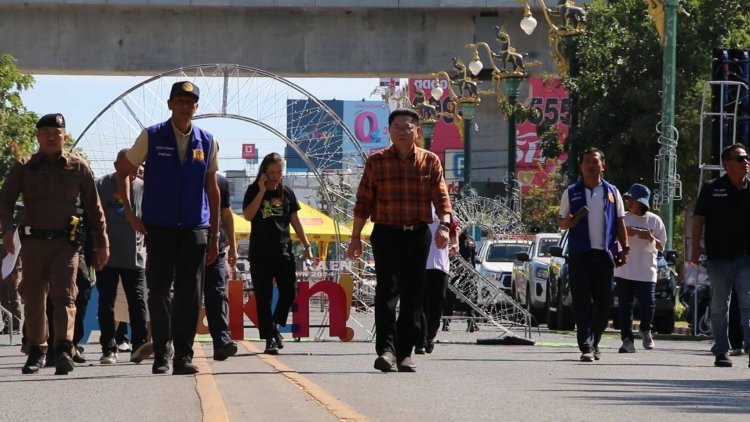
(318, 226)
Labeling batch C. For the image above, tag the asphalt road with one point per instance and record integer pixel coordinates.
(330, 380)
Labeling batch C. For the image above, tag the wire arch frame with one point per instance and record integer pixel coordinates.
(287, 111)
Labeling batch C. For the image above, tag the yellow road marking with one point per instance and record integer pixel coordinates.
(332, 404)
(212, 405)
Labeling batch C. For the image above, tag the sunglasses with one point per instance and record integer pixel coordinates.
(740, 158)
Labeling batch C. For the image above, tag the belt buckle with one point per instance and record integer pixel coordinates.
(408, 228)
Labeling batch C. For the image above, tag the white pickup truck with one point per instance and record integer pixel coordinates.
(530, 271)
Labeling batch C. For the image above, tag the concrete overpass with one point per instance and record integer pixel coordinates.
(288, 37)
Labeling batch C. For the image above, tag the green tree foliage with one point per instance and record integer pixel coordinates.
(17, 124)
(540, 204)
(619, 84)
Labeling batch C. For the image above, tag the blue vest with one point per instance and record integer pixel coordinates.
(174, 195)
(578, 236)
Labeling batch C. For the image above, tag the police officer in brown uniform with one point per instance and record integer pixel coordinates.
(51, 182)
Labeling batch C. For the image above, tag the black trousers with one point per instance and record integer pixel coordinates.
(263, 273)
(433, 302)
(400, 260)
(591, 286)
(216, 300)
(735, 322)
(175, 257)
(134, 284)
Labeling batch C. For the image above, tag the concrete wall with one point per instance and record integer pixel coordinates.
(96, 39)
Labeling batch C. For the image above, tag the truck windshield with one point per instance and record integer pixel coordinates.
(544, 245)
(504, 252)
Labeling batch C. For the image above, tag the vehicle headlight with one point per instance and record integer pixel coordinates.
(541, 273)
(662, 273)
(489, 275)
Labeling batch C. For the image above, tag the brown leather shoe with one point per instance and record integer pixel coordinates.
(385, 362)
(406, 365)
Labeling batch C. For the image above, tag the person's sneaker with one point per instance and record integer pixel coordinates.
(723, 361)
(587, 357)
(271, 347)
(142, 352)
(597, 353)
(648, 340)
(419, 350)
(627, 346)
(183, 366)
(160, 366)
(225, 350)
(63, 364)
(430, 346)
(385, 362)
(406, 365)
(109, 357)
(124, 347)
(736, 352)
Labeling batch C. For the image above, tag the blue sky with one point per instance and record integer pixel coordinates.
(82, 98)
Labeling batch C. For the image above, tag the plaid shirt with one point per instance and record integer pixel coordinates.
(399, 192)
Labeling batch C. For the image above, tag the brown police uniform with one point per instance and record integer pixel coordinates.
(50, 190)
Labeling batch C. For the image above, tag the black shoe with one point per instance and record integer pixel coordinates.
(49, 361)
(723, 361)
(35, 361)
(430, 346)
(385, 362)
(597, 353)
(160, 366)
(142, 352)
(279, 339)
(406, 365)
(78, 357)
(63, 364)
(419, 350)
(225, 350)
(183, 366)
(271, 347)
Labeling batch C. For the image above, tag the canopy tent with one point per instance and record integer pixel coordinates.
(318, 226)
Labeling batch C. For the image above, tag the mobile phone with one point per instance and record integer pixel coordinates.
(579, 215)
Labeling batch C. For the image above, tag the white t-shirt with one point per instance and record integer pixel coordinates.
(595, 199)
(641, 264)
(437, 259)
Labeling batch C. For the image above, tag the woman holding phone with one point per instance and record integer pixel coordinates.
(271, 207)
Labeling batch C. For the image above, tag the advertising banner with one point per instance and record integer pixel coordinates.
(368, 121)
(551, 99)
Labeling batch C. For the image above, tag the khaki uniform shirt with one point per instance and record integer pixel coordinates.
(50, 190)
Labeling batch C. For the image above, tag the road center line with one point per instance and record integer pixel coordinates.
(332, 404)
(212, 405)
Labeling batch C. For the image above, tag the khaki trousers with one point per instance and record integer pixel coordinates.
(49, 267)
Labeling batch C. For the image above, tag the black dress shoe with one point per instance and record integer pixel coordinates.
(279, 339)
(723, 361)
(35, 361)
(225, 350)
(406, 365)
(271, 347)
(430, 346)
(419, 350)
(183, 366)
(160, 366)
(63, 363)
(79, 358)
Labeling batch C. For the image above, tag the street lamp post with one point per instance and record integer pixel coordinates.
(469, 112)
(512, 86)
(428, 127)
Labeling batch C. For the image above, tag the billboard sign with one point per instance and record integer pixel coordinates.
(249, 152)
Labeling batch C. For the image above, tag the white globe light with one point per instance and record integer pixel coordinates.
(437, 93)
(475, 67)
(528, 24)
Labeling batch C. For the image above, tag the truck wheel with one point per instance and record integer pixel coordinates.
(551, 315)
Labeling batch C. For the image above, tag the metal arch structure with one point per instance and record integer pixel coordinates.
(492, 215)
(242, 93)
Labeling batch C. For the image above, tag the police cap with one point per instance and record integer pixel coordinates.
(184, 88)
(51, 120)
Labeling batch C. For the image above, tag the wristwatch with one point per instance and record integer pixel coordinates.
(626, 250)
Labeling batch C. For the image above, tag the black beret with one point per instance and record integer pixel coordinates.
(51, 120)
(185, 88)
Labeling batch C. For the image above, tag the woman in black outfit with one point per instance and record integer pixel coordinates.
(271, 207)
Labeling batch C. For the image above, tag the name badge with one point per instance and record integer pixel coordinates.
(198, 155)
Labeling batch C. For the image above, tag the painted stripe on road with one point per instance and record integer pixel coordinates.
(334, 406)
(212, 405)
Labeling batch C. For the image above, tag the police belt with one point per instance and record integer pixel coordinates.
(26, 232)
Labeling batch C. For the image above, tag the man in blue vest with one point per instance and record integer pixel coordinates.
(180, 218)
(592, 211)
